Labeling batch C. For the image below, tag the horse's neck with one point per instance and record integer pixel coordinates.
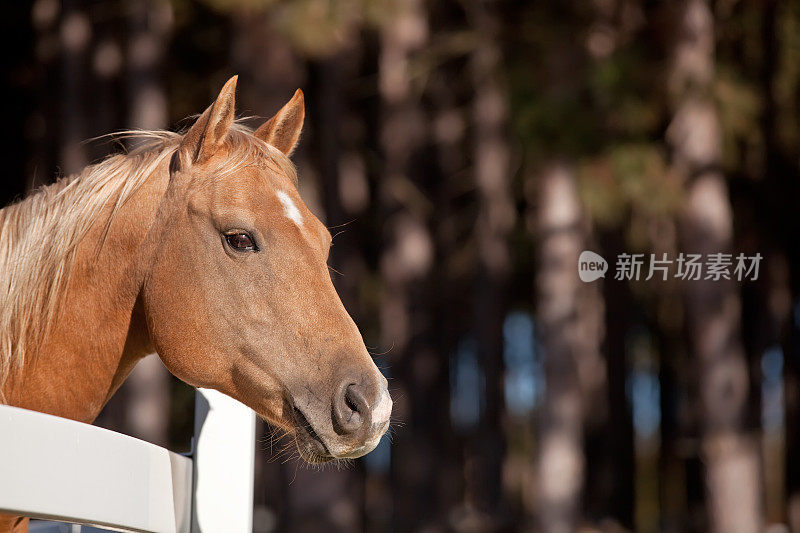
(100, 331)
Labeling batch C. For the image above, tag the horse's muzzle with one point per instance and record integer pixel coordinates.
(359, 416)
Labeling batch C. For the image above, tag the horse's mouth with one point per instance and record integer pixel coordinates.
(311, 447)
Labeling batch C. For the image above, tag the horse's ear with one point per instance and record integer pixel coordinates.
(209, 130)
(283, 130)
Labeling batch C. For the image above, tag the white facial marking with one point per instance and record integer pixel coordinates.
(290, 209)
(383, 410)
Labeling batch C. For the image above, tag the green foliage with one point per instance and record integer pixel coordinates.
(316, 28)
(319, 27)
(624, 87)
(625, 177)
(787, 78)
(740, 108)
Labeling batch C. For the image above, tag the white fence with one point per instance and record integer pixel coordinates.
(59, 469)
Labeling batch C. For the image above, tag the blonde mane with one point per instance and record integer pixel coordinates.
(40, 234)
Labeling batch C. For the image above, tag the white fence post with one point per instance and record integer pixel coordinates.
(224, 455)
(60, 469)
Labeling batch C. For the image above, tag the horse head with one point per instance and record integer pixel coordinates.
(238, 296)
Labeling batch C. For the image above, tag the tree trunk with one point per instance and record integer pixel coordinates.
(150, 23)
(459, 482)
(560, 295)
(730, 453)
(778, 226)
(610, 452)
(75, 34)
(791, 384)
(496, 216)
(28, 116)
(406, 266)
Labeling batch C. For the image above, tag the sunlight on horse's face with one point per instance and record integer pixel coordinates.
(240, 299)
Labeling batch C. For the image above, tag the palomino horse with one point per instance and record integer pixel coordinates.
(197, 247)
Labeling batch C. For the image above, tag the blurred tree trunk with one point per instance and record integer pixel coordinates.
(560, 296)
(496, 217)
(150, 22)
(609, 441)
(451, 90)
(778, 225)
(791, 351)
(730, 453)
(42, 124)
(147, 390)
(766, 313)
(680, 494)
(107, 105)
(675, 432)
(75, 36)
(682, 497)
(406, 266)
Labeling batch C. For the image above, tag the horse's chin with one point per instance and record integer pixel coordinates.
(311, 447)
(312, 457)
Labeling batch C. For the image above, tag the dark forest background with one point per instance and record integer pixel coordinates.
(465, 152)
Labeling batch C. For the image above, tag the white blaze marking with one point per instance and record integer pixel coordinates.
(290, 209)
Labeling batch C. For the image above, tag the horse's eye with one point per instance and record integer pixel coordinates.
(241, 242)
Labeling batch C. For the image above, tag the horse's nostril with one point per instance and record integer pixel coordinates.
(350, 400)
(350, 409)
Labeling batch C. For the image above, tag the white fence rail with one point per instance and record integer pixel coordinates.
(63, 470)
